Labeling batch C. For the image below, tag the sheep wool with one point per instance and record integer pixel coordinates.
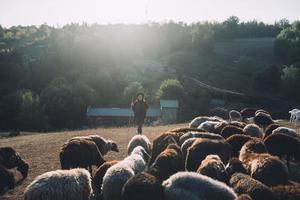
(72, 184)
(194, 186)
(139, 140)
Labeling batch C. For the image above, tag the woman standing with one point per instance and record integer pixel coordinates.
(139, 107)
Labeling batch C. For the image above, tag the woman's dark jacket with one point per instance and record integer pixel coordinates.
(139, 109)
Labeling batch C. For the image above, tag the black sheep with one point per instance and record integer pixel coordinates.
(237, 141)
(235, 166)
(80, 153)
(244, 184)
(230, 130)
(263, 119)
(281, 144)
(6, 179)
(143, 186)
(9, 158)
(247, 113)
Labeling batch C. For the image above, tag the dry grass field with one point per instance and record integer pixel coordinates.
(41, 150)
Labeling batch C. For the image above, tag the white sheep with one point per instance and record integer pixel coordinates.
(198, 120)
(194, 186)
(139, 140)
(117, 175)
(253, 130)
(235, 115)
(60, 184)
(295, 115)
(208, 126)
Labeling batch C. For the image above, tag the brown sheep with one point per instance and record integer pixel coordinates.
(238, 124)
(167, 163)
(100, 172)
(286, 192)
(9, 158)
(213, 167)
(143, 186)
(247, 113)
(270, 128)
(237, 141)
(281, 144)
(80, 153)
(230, 130)
(244, 184)
(161, 142)
(243, 197)
(263, 119)
(103, 144)
(203, 147)
(261, 165)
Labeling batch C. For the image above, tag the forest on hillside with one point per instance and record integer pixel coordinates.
(50, 75)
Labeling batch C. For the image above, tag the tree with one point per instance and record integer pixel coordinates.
(287, 44)
(203, 39)
(32, 116)
(291, 81)
(170, 89)
(131, 90)
(66, 104)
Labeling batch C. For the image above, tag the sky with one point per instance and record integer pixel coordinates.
(61, 12)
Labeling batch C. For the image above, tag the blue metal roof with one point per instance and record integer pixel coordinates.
(119, 112)
(167, 103)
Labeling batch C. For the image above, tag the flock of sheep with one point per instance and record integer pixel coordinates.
(243, 158)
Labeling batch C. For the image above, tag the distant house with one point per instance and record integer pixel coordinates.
(166, 112)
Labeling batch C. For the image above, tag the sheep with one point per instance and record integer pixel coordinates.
(213, 167)
(286, 192)
(281, 144)
(117, 175)
(72, 184)
(235, 115)
(235, 166)
(261, 111)
(80, 153)
(237, 141)
(184, 147)
(253, 130)
(270, 128)
(143, 186)
(263, 119)
(203, 147)
(198, 120)
(261, 165)
(247, 113)
(244, 184)
(100, 172)
(103, 144)
(6, 179)
(295, 115)
(167, 163)
(288, 131)
(9, 158)
(194, 186)
(230, 130)
(252, 146)
(219, 112)
(244, 197)
(208, 126)
(237, 124)
(161, 142)
(191, 134)
(139, 140)
(219, 126)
